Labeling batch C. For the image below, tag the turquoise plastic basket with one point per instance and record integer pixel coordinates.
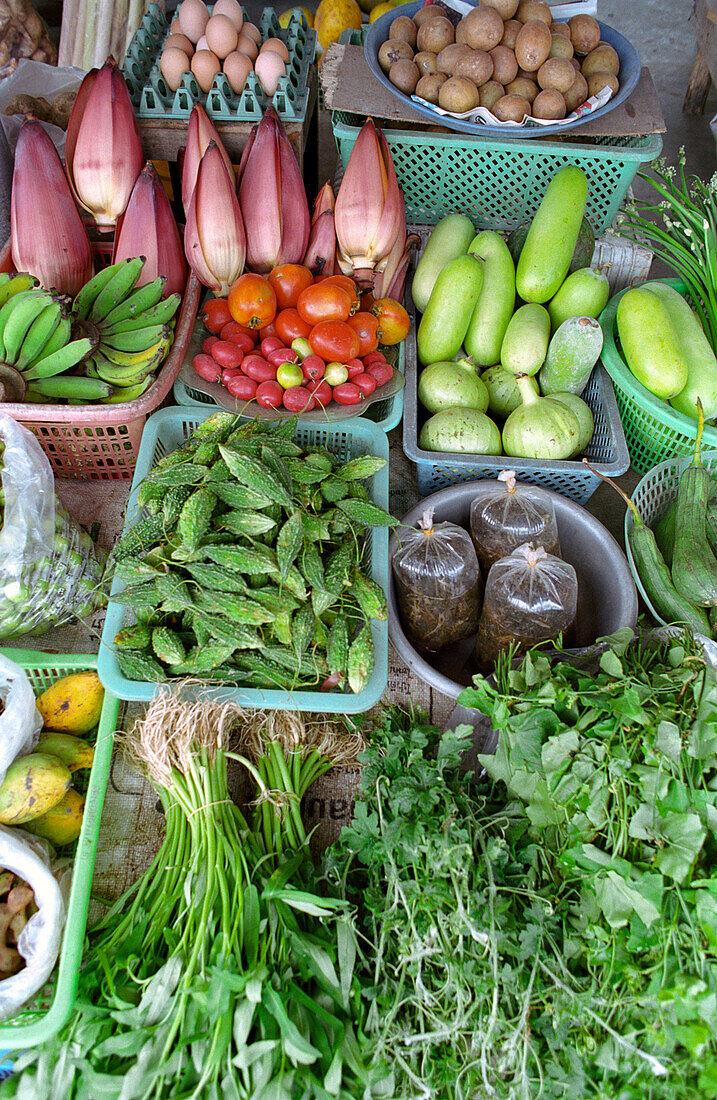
(164, 432)
(43, 1018)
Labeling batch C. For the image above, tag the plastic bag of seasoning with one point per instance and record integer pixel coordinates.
(530, 596)
(510, 516)
(438, 583)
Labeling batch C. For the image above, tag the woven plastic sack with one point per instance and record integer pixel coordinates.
(50, 570)
(510, 516)
(438, 583)
(530, 597)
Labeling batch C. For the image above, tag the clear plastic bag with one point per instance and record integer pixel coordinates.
(50, 569)
(511, 516)
(23, 33)
(530, 597)
(438, 583)
(20, 721)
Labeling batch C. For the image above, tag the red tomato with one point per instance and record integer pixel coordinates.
(234, 332)
(215, 314)
(290, 326)
(334, 341)
(207, 368)
(348, 285)
(269, 395)
(382, 372)
(270, 343)
(209, 344)
(252, 301)
(282, 355)
(256, 367)
(393, 321)
(367, 301)
(288, 281)
(226, 354)
(365, 382)
(313, 367)
(241, 387)
(347, 394)
(323, 394)
(374, 357)
(268, 330)
(324, 302)
(231, 372)
(354, 367)
(298, 399)
(365, 325)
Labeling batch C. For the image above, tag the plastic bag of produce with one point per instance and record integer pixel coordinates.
(20, 721)
(50, 570)
(23, 33)
(510, 516)
(438, 583)
(530, 597)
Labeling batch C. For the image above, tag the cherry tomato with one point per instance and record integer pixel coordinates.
(209, 344)
(354, 367)
(365, 382)
(336, 373)
(302, 346)
(269, 395)
(282, 355)
(321, 390)
(252, 301)
(241, 387)
(382, 372)
(348, 285)
(393, 321)
(347, 394)
(226, 354)
(374, 357)
(298, 399)
(215, 314)
(290, 326)
(288, 281)
(324, 302)
(256, 367)
(231, 372)
(234, 332)
(313, 367)
(207, 368)
(289, 375)
(270, 343)
(268, 330)
(365, 325)
(334, 340)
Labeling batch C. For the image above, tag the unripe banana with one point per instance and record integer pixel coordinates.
(60, 361)
(39, 334)
(117, 288)
(139, 340)
(159, 314)
(141, 298)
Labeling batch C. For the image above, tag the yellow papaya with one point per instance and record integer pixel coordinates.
(62, 824)
(32, 785)
(72, 750)
(73, 703)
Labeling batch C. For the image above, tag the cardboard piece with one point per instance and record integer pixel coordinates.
(349, 85)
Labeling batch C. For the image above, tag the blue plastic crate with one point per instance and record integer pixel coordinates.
(164, 432)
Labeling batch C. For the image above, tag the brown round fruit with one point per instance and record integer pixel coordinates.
(598, 81)
(506, 8)
(521, 86)
(556, 73)
(511, 108)
(549, 104)
(435, 35)
(458, 94)
(490, 93)
(528, 76)
(391, 52)
(511, 30)
(560, 46)
(404, 75)
(426, 62)
(505, 67)
(561, 28)
(449, 57)
(424, 15)
(477, 65)
(528, 10)
(482, 28)
(429, 86)
(403, 29)
(603, 59)
(576, 94)
(532, 46)
(584, 32)
(575, 63)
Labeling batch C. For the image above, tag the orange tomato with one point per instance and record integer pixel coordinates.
(324, 302)
(365, 325)
(334, 341)
(288, 281)
(290, 326)
(393, 321)
(348, 285)
(252, 301)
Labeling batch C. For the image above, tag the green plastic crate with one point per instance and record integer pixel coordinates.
(499, 183)
(51, 1010)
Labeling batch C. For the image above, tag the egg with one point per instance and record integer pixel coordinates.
(237, 67)
(179, 42)
(174, 27)
(202, 44)
(269, 66)
(248, 46)
(193, 18)
(277, 46)
(221, 35)
(173, 64)
(205, 66)
(232, 10)
(253, 31)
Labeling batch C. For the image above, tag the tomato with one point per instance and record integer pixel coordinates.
(226, 354)
(267, 331)
(269, 395)
(209, 344)
(288, 281)
(367, 301)
(354, 367)
(347, 394)
(289, 375)
(215, 314)
(393, 321)
(324, 302)
(313, 367)
(382, 372)
(365, 325)
(231, 372)
(334, 340)
(290, 326)
(298, 399)
(241, 387)
(282, 355)
(256, 367)
(365, 382)
(348, 285)
(235, 333)
(302, 346)
(207, 368)
(252, 301)
(374, 357)
(270, 343)
(336, 373)
(321, 391)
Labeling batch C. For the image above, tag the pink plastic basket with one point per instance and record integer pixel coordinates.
(101, 442)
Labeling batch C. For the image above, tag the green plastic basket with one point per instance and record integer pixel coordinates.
(51, 1010)
(499, 183)
(655, 432)
(165, 431)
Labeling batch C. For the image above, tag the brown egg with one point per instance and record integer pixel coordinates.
(205, 66)
(236, 68)
(179, 42)
(221, 35)
(248, 46)
(174, 27)
(202, 44)
(253, 31)
(193, 18)
(277, 46)
(173, 64)
(269, 67)
(232, 10)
